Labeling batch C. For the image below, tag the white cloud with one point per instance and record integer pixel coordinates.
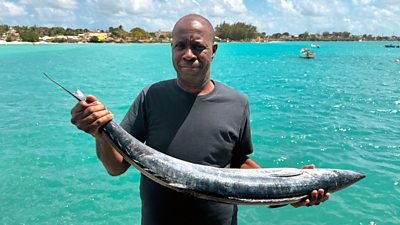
(362, 2)
(11, 9)
(236, 6)
(288, 7)
(315, 16)
(57, 4)
(305, 8)
(54, 15)
(154, 15)
(104, 8)
(139, 6)
(65, 4)
(271, 16)
(217, 10)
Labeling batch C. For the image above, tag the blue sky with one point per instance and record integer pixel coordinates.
(375, 17)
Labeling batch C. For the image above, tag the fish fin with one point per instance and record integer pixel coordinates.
(270, 202)
(177, 185)
(286, 173)
(277, 206)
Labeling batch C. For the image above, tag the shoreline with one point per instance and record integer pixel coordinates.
(2, 42)
(24, 43)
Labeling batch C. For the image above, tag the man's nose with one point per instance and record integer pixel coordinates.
(189, 55)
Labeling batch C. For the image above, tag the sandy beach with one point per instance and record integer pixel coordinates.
(23, 43)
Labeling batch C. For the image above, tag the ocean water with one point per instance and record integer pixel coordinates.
(339, 110)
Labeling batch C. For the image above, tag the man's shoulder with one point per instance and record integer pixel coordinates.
(159, 86)
(231, 92)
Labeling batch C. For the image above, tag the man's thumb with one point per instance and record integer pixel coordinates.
(90, 98)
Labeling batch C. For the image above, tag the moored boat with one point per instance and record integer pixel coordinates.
(392, 46)
(307, 54)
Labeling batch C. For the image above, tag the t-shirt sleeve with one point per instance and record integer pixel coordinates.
(244, 146)
(134, 121)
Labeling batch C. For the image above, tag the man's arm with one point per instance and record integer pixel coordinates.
(249, 164)
(90, 115)
(111, 159)
(316, 196)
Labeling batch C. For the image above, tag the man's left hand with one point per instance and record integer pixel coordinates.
(316, 196)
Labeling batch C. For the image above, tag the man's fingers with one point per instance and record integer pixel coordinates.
(92, 110)
(305, 202)
(90, 99)
(311, 166)
(321, 194)
(89, 115)
(82, 105)
(86, 111)
(94, 127)
(326, 197)
(95, 118)
(79, 107)
(316, 197)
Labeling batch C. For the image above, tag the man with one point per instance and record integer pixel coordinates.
(192, 118)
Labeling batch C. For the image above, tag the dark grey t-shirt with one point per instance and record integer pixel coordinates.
(210, 130)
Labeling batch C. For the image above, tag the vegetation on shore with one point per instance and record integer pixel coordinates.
(225, 32)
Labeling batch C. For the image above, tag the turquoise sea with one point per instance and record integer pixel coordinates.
(339, 110)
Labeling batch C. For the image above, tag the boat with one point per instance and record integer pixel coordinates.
(307, 54)
(392, 46)
(314, 46)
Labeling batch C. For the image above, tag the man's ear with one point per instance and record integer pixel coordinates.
(214, 49)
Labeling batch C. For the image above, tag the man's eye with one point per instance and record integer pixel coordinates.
(180, 46)
(198, 48)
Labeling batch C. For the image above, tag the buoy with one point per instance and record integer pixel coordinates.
(396, 60)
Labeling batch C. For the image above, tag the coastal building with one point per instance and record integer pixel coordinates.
(61, 38)
(101, 36)
(163, 36)
(12, 34)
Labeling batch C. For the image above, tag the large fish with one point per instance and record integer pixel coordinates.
(278, 186)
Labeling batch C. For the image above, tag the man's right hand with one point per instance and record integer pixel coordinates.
(90, 115)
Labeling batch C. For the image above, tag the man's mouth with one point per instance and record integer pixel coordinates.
(188, 67)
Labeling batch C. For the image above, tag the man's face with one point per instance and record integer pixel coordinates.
(192, 51)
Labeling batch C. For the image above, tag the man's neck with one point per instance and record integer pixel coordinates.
(206, 88)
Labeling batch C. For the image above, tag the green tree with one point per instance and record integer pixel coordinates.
(29, 35)
(237, 31)
(70, 32)
(118, 32)
(59, 40)
(94, 39)
(304, 36)
(223, 30)
(58, 30)
(138, 33)
(3, 29)
(276, 35)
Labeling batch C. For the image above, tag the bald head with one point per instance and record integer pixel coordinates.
(195, 22)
